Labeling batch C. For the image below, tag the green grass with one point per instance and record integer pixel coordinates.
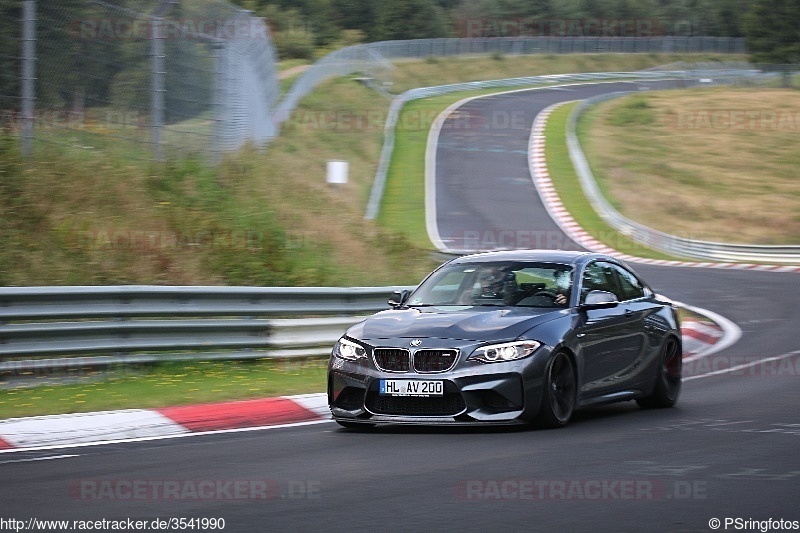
(403, 203)
(439, 71)
(163, 385)
(76, 215)
(725, 180)
(635, 111)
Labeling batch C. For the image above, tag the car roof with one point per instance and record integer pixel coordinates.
(544, 256)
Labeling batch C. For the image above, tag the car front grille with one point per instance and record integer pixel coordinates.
(450, 404)
(434, 360)
(392, 359)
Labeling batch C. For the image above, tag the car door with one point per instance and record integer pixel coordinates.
(637, 304)
(607, 338)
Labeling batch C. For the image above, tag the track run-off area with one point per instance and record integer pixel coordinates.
(726, 452)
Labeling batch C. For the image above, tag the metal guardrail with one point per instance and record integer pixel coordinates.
(374, 58)
(49, 328)
(658, 240)
(70, 340)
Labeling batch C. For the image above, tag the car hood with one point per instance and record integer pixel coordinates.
(471, 323)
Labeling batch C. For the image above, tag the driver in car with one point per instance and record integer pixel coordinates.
(563, 283)
(492, 283)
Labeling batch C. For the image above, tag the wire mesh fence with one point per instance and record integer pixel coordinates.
(146, 78)
(154, 78)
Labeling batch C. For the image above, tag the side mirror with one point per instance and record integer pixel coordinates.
(399, 298)
(599, 300)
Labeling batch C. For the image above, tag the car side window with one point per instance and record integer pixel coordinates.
(598, 276)
(631, 287)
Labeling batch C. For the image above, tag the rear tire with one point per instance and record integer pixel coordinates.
(668, 381)
(559, 394)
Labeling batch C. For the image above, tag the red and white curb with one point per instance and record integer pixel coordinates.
(141, 424)
(699, 336)
(537, 165)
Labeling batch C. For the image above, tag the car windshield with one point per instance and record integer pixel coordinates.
(520, 284)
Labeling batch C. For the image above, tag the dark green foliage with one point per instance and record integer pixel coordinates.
(413, 19)
(773, 31)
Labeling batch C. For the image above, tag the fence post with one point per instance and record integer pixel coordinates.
(28, 74)
(157, 73)
(218, 99)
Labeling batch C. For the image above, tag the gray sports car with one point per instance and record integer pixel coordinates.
(506, 338)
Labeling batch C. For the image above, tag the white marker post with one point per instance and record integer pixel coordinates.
(337, 172)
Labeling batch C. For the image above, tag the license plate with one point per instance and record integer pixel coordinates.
(411, 387)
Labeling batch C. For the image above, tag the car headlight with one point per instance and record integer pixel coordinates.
(349, 350)
(508, 351)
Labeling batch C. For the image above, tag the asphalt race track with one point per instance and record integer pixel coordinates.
(729, 450)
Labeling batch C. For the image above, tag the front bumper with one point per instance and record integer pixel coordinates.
(486, 394)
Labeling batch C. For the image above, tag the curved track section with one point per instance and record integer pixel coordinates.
(482, 185)
(727, 451)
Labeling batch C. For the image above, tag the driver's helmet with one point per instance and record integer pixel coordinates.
(491, 281)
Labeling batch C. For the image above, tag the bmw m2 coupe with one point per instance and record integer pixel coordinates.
(509, 337)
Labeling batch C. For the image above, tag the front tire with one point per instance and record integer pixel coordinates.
(560, 392)
(668, 382)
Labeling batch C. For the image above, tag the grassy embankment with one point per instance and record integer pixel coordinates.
(723, 160)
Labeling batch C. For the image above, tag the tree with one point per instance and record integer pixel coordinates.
(412, 19)
(10, 52)
(356, 15)
(772, 30)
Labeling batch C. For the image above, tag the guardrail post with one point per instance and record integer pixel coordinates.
(218, 99)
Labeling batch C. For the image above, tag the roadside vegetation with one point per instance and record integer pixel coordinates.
(309, 27)
(89, 212)
(440, 71)
(160, 385)
(723, 160)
